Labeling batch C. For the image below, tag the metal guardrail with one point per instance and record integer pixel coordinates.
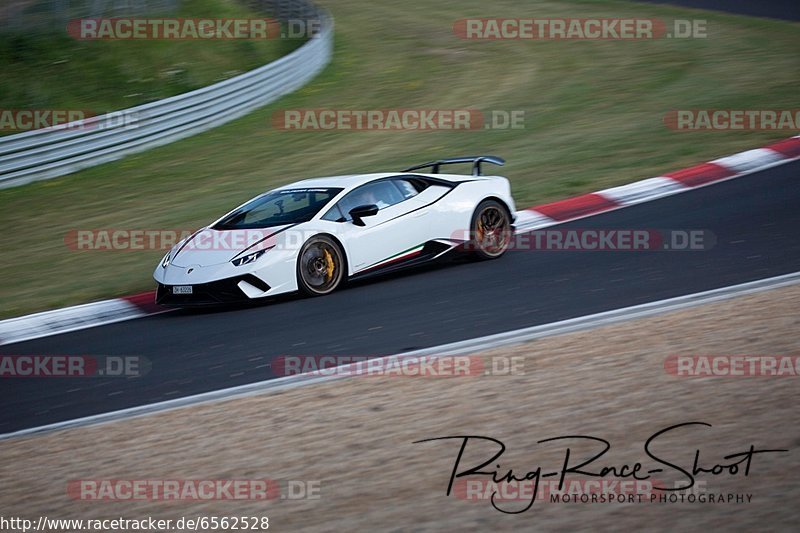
(57, 151)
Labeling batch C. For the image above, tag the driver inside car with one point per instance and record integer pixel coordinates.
(369, 198)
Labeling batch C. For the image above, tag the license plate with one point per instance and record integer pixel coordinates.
(182, 289)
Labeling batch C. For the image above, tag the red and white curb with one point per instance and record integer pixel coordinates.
(78, 317)
(652, 188)
(109, 311)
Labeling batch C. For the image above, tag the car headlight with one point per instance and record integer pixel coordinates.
(247, 259)
(165, 261)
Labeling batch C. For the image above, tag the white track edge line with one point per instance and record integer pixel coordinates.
(457, 348)
(80, 326)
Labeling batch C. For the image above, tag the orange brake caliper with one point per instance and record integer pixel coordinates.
(329, 266)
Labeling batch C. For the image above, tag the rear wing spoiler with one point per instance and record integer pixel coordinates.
(475, 160)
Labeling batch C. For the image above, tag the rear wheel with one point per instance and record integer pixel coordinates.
(320, 266)
(490, 230)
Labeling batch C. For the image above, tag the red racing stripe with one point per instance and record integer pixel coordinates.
(579, 206)
(700, 174)
(789, 148)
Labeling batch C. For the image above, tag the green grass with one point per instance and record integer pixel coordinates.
(55, 71)
(593, 119)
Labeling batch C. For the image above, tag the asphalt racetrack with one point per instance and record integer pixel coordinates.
(755, 220)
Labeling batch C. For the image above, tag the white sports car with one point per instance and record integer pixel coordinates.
(315, 234)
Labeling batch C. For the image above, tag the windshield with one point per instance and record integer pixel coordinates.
(276, 208)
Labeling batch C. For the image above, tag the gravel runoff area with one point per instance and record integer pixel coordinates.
(352, 440)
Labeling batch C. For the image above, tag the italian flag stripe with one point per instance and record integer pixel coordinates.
(397, 257)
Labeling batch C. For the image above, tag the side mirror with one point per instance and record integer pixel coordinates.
(361, 211)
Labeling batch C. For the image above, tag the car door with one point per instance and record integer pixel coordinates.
(397, 231)
(427, 196)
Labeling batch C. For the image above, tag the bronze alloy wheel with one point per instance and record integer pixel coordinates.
(491, 228)
(320, 267)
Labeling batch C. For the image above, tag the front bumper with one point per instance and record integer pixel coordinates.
(212, 293)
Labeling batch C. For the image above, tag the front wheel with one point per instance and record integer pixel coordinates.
(490, 230)
(320, 266)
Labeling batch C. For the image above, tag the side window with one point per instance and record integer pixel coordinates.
(334, 214)
(381, 193)
(407, 188)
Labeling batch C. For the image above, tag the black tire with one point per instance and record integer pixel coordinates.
(321, 266)
(490, 230)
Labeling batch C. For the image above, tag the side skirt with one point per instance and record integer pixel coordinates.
(419, 255)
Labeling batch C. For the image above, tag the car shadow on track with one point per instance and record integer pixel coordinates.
(439, 264)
